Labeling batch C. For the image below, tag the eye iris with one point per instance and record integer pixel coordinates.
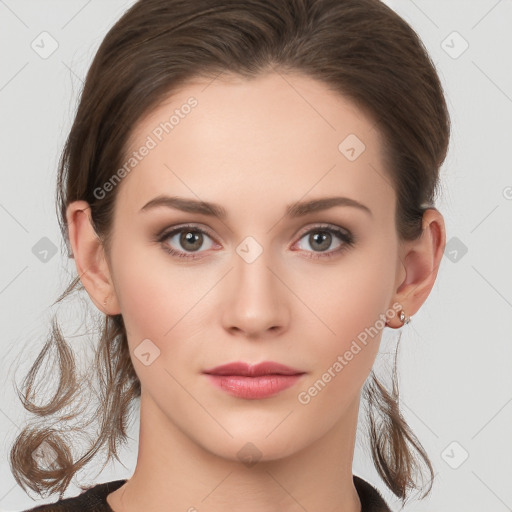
(190, 237)
(325, 235)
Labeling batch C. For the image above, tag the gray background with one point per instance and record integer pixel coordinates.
(455, 357)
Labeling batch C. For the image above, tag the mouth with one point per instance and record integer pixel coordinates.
(257, 370)
(263, 380)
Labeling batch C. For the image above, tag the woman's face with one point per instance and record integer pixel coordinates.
(269, 281)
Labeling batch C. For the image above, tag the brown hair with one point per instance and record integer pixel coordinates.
(359, 48)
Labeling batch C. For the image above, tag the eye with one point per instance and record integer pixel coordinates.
(189, 238)
(321, 238)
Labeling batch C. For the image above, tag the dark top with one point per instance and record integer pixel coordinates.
(95, 499)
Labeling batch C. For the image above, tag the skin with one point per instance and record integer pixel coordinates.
(253, 147)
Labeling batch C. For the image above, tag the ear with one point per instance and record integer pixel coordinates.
(420, 259)
(90, 260)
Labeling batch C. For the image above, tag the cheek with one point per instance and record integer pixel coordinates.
(350, 302)
(351, 296)
(160, 302)
(153, 293)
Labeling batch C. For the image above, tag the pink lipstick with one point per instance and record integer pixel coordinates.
(254, 382)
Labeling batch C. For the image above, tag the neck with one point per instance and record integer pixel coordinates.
(174, 472)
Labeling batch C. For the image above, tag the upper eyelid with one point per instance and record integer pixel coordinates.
(326, 226)
(165, 233)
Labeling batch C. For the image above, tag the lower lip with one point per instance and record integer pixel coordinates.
(253, 388)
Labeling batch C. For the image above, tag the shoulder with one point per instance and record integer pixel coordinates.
(93, 499)
(371, 499)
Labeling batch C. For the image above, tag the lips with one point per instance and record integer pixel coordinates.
(246, 370)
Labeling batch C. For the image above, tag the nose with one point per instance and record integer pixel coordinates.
(256, 299)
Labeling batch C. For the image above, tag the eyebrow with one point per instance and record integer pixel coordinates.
(294, 210)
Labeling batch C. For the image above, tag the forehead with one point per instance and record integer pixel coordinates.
(276, 137)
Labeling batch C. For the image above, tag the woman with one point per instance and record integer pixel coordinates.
(215, 145)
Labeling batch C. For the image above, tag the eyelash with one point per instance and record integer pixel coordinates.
(346, 236)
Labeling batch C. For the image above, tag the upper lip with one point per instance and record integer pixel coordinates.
(247, 370)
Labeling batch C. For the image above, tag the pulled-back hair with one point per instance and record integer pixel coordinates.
(359, 48)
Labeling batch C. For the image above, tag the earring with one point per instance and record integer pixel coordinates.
(403, 318)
